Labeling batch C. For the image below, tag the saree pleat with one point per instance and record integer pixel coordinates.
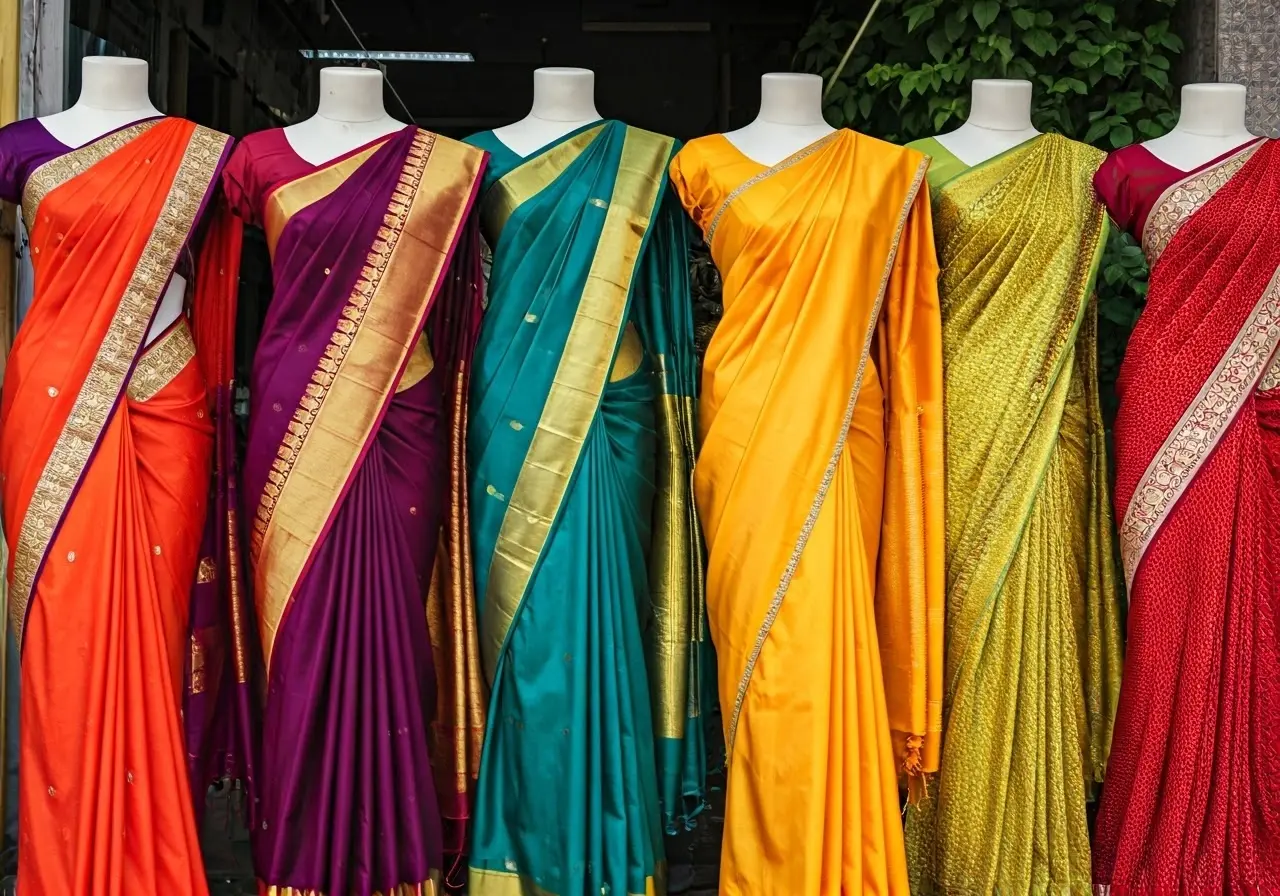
(105, 459)
(588, 308)
(1033, 638)
(1192, 802)
(820, 436)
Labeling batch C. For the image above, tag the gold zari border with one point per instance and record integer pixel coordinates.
(1183, 199)
(527, 180)
(1201, 427)
(483, 882)
(574, 397)
(106, 376)
(828, 474)
(161, 362)
(429, 887)
(57, 171)
(357, 374)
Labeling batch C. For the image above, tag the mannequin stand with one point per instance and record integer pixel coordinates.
(350, 115)
(999, 119)
(790, 119)
(563, 101)
(1210, 124)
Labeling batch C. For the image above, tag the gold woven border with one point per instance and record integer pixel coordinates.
(106, 377)
(1200, 428)
(828, 474)
(527, 180)
(1179, 202)
(55, 172)
(161, 361)
(429, 887)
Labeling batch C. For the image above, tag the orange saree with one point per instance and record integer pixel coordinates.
(819, 488)
(105, 449)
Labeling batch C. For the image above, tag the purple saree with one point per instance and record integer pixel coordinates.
(357, 399)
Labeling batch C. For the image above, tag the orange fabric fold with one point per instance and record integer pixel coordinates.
(104, 490)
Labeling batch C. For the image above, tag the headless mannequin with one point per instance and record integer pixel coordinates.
(789, 120)
(563, 101)
(113, 94)
(1210, 124)
(349, 116)
(999, 119)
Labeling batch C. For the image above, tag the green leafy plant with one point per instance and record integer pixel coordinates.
(1100, 72)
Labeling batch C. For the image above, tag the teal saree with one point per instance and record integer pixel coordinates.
(588, 554)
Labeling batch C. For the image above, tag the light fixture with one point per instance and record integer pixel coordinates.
(388, 55)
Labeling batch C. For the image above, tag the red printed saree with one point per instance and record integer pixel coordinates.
(1192, 798)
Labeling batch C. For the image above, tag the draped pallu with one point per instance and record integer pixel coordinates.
(588, 558)
(1033, 651)
(105, 448)
(353, 493)
(1192, 800)
(819, 489)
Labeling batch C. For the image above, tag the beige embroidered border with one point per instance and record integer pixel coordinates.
(1179, 202)
(1201, 427)
(763, 175)
(106, 377)
(161, 362)
(55, 172)
(828, 474)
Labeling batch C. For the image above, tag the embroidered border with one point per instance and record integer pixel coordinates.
(828, 474)
(767, 173)
(1179, 202)
(1201, 427)
(106, 377)
(348, 323)
(55, 172)
(161, 362)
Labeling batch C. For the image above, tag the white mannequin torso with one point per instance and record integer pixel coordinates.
(999, 119)
(113, 94)
(563, 101)
(1210, 124)
(350, 115)
(790, 119)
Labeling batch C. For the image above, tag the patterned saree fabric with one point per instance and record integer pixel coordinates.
(588, 561)
(1192, 800)
(1033, 651)
(352, 497)
(819, 490)
(105, 449)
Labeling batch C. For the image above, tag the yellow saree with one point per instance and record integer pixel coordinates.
(819, 490)
(1033, 652)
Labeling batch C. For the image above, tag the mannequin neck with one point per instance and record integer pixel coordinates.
(564, 95)
(351, 95)
(563, 101)
(998, 105)
(791, 99)
(1213, 110)
(114, 84)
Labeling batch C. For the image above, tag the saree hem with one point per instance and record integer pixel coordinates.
(429, 887)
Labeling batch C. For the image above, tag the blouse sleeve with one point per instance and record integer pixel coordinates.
(693, 184)
(1111, 181)
(10, 188)
(239, 184)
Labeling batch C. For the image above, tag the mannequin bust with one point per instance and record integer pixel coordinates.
(563, 101)
(1210, 124)
(350, 115)
(113, 94)
(789, 120)
(999, 119)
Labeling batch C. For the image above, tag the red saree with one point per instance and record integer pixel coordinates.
(104, 458)
(1192, 797)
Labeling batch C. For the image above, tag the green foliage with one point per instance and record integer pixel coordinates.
(1100, 72)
